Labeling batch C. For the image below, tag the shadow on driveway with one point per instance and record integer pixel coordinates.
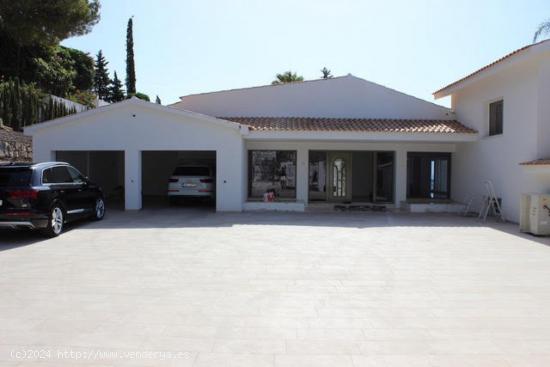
(177, 217)
(10, 239)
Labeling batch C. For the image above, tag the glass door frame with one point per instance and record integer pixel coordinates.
(425, 186)
(331, 157)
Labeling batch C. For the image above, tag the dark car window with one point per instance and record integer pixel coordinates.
(15, 177)
(75, 175)
(47, 176)
(57, 175)
(192, 171)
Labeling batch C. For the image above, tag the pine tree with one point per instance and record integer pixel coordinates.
(101, 78)
(157, 101)
(116, 92)
(130, 66)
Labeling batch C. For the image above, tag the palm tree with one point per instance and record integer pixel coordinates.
(326, 73)
(544, 28)
(287, 77)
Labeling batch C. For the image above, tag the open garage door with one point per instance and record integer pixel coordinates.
(178, 178)
(105, 168)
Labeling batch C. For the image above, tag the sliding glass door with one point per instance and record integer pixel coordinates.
(385, 173)
(352, 176)
(428, 175)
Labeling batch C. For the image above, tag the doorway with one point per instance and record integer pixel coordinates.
(429, 176)
(339, 183)
(178, 179)
(105, 168)
(351, 176)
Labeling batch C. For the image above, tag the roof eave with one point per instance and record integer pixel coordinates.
(494, 67)
(361, 136)
(30, 130)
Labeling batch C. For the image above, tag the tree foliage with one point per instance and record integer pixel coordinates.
(116, 92)
(102, 82)
(63, 72)
(33, 22)
(84, 97)
(34, 65)
(24, 104)
(287, 77)
(130, 65)
(84, 67)
(29, 49)
(326, 74)
(543, 29)
(143, 96)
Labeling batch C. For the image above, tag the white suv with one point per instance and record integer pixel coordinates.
(192, 181)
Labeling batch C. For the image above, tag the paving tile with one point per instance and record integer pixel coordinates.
(254, 346)
(233, 360)
(281, 289)
(313, 361)
(313, 347)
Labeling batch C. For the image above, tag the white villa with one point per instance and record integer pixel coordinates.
(329, 141)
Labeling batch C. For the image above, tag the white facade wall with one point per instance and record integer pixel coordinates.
(347, 96)
(525, 90)
(134, 127)
(303, 147)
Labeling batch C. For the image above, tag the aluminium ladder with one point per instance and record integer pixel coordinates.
(490, 202)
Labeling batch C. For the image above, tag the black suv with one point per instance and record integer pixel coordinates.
(46, 195)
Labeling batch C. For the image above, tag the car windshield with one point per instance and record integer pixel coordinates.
(15, 177)
(192, 171)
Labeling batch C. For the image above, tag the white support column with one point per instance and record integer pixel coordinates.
(302, 171)
(132, 179)
(400, 177)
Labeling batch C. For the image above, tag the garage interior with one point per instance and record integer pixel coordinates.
(158, 166)
(105, 168)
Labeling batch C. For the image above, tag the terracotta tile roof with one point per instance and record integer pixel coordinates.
(352, 124)
(537, 162)
(506, 57)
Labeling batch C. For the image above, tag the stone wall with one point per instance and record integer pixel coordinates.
(14, 146)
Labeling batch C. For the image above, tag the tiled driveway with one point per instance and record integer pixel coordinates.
(276, 290)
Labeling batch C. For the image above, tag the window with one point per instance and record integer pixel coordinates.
(15, 177)
(75, 175)
(272, 170)
(496, 118)
(428, 175)
(56, 175)
(340, 176)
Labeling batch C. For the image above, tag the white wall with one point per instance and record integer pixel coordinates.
(497, 158)
(134, 128)
(347, 96)
(303, 148)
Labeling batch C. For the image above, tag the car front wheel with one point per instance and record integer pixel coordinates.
(99, 210)
(56, 222)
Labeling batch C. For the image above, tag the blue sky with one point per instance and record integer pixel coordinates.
(190, 46)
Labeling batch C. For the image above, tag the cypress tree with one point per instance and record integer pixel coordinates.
(101, 77)
(130, 66)
(157, 100)
(116, 93)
